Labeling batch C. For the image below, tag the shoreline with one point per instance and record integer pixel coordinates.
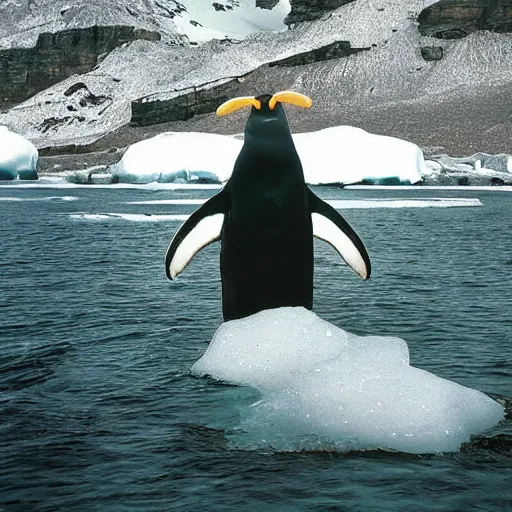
(51, 181)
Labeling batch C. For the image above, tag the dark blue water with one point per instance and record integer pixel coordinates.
(98, 411)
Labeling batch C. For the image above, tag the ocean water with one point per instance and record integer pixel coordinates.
(99, 411)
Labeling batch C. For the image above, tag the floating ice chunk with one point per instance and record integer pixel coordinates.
(38, 199)
(131, 217)
(342, 154)
(272, 348)
(18, 156)
(325, 387)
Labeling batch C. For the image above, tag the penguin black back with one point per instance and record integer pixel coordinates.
(267, 243)
(266, 218)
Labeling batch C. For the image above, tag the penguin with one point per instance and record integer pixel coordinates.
(266, 218)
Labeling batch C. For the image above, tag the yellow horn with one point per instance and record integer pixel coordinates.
(295, 98)
(237, 103)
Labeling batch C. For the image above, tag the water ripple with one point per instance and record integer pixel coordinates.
(98, 408)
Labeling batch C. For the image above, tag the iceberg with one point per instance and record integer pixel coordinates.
(339, 155)
(345, 155)
(178, 157)
(18, 156)
(325, 388)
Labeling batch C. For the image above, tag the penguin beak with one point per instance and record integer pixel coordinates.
(236, 104)
(292, 97)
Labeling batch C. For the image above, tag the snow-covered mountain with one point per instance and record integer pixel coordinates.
(186, 21)
(372, 64)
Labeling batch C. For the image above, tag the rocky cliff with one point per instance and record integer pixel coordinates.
(26, 71)
(44, 41)
(452, 19)
(308, 10)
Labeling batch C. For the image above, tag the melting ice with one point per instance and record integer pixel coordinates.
(325, 387)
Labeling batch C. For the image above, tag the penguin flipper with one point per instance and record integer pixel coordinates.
(202, 228)
(330, 226)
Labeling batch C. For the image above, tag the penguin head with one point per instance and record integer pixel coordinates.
(267, 116)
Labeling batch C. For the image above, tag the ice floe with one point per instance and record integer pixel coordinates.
(338, 204)
(325, 388)
(132, 217)
(353, 204)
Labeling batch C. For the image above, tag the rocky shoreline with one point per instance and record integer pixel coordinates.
(480, 169)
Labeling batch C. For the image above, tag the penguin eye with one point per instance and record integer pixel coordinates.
(292, 97)
(236, 104)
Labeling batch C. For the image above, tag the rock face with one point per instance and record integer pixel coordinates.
(452, 19)
(26, 71)
(307, 10)
(432, 52)
(198, 100)
(23, 21)
(45, 41)
(336, 50)
(266, 4)
(206, 98)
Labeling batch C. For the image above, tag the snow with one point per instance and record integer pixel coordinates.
(325, 388)
(341, 154)
(193, 20)
(201, 22)
(18, 156)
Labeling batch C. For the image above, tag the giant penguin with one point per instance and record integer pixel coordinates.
(266, 217)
